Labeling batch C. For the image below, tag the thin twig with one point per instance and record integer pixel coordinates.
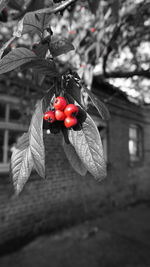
(128, 74)
(109, 47)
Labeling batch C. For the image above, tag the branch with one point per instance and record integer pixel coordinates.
(56, 8)
(128, 74)
(110, 46)
(50, 10)
(115, 34)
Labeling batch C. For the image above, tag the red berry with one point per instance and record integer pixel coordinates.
(92, 29)
(70, 121)
(60, 103)
(72, 32)
(49, 116)
(71, 110)
(82, 65)
(60, 115)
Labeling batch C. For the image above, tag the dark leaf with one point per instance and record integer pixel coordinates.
(74, 90)
(40, 49)
(34, 5)
(36, 139)
(15, 59)
(115, 10)
(88, 145)
(16, 4)
(35, 23)
(93, 4)
(60, 47)
(21, 163)
(38, 78)
(47, 98)
(74, 159)
(100, 106)
(65, 133)
(43, 66)
(48, 10)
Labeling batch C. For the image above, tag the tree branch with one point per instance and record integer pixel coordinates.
(56, 8)
(110, 46)
(128, 74)
(112, 42)
(50, 10)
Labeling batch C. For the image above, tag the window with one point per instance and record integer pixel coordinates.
(135, 143)
(10, 129)
(2, 111)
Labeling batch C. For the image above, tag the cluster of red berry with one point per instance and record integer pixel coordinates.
(62, 112)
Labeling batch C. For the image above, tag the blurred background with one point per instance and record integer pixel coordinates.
(69, 220)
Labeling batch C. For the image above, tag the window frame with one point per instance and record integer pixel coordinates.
(8, 126)
(139, 144)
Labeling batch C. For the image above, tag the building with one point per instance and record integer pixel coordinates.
(65, 197)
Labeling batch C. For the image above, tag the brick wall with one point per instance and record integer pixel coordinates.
(65, 197)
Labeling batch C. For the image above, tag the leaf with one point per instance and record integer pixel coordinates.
(47, 98)
(40, 49)
(19, 29)
(88, 145)
(35, 23)
(6, 46)
(15, 4)
(115, 10)
(21, 163)
(38, 78)
(61, 46)
(43, 66)
(36, 139)
(74, 159)
(3, 4)
(35, 5)
(100, 106)
(15, 59)
(93, 4)
(74, 90)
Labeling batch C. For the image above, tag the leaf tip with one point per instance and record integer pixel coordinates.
(17, 190)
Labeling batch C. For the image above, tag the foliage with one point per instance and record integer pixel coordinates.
(57, 46)
(22, 163)
(41, 59)
(74, 159)
(112, 42)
